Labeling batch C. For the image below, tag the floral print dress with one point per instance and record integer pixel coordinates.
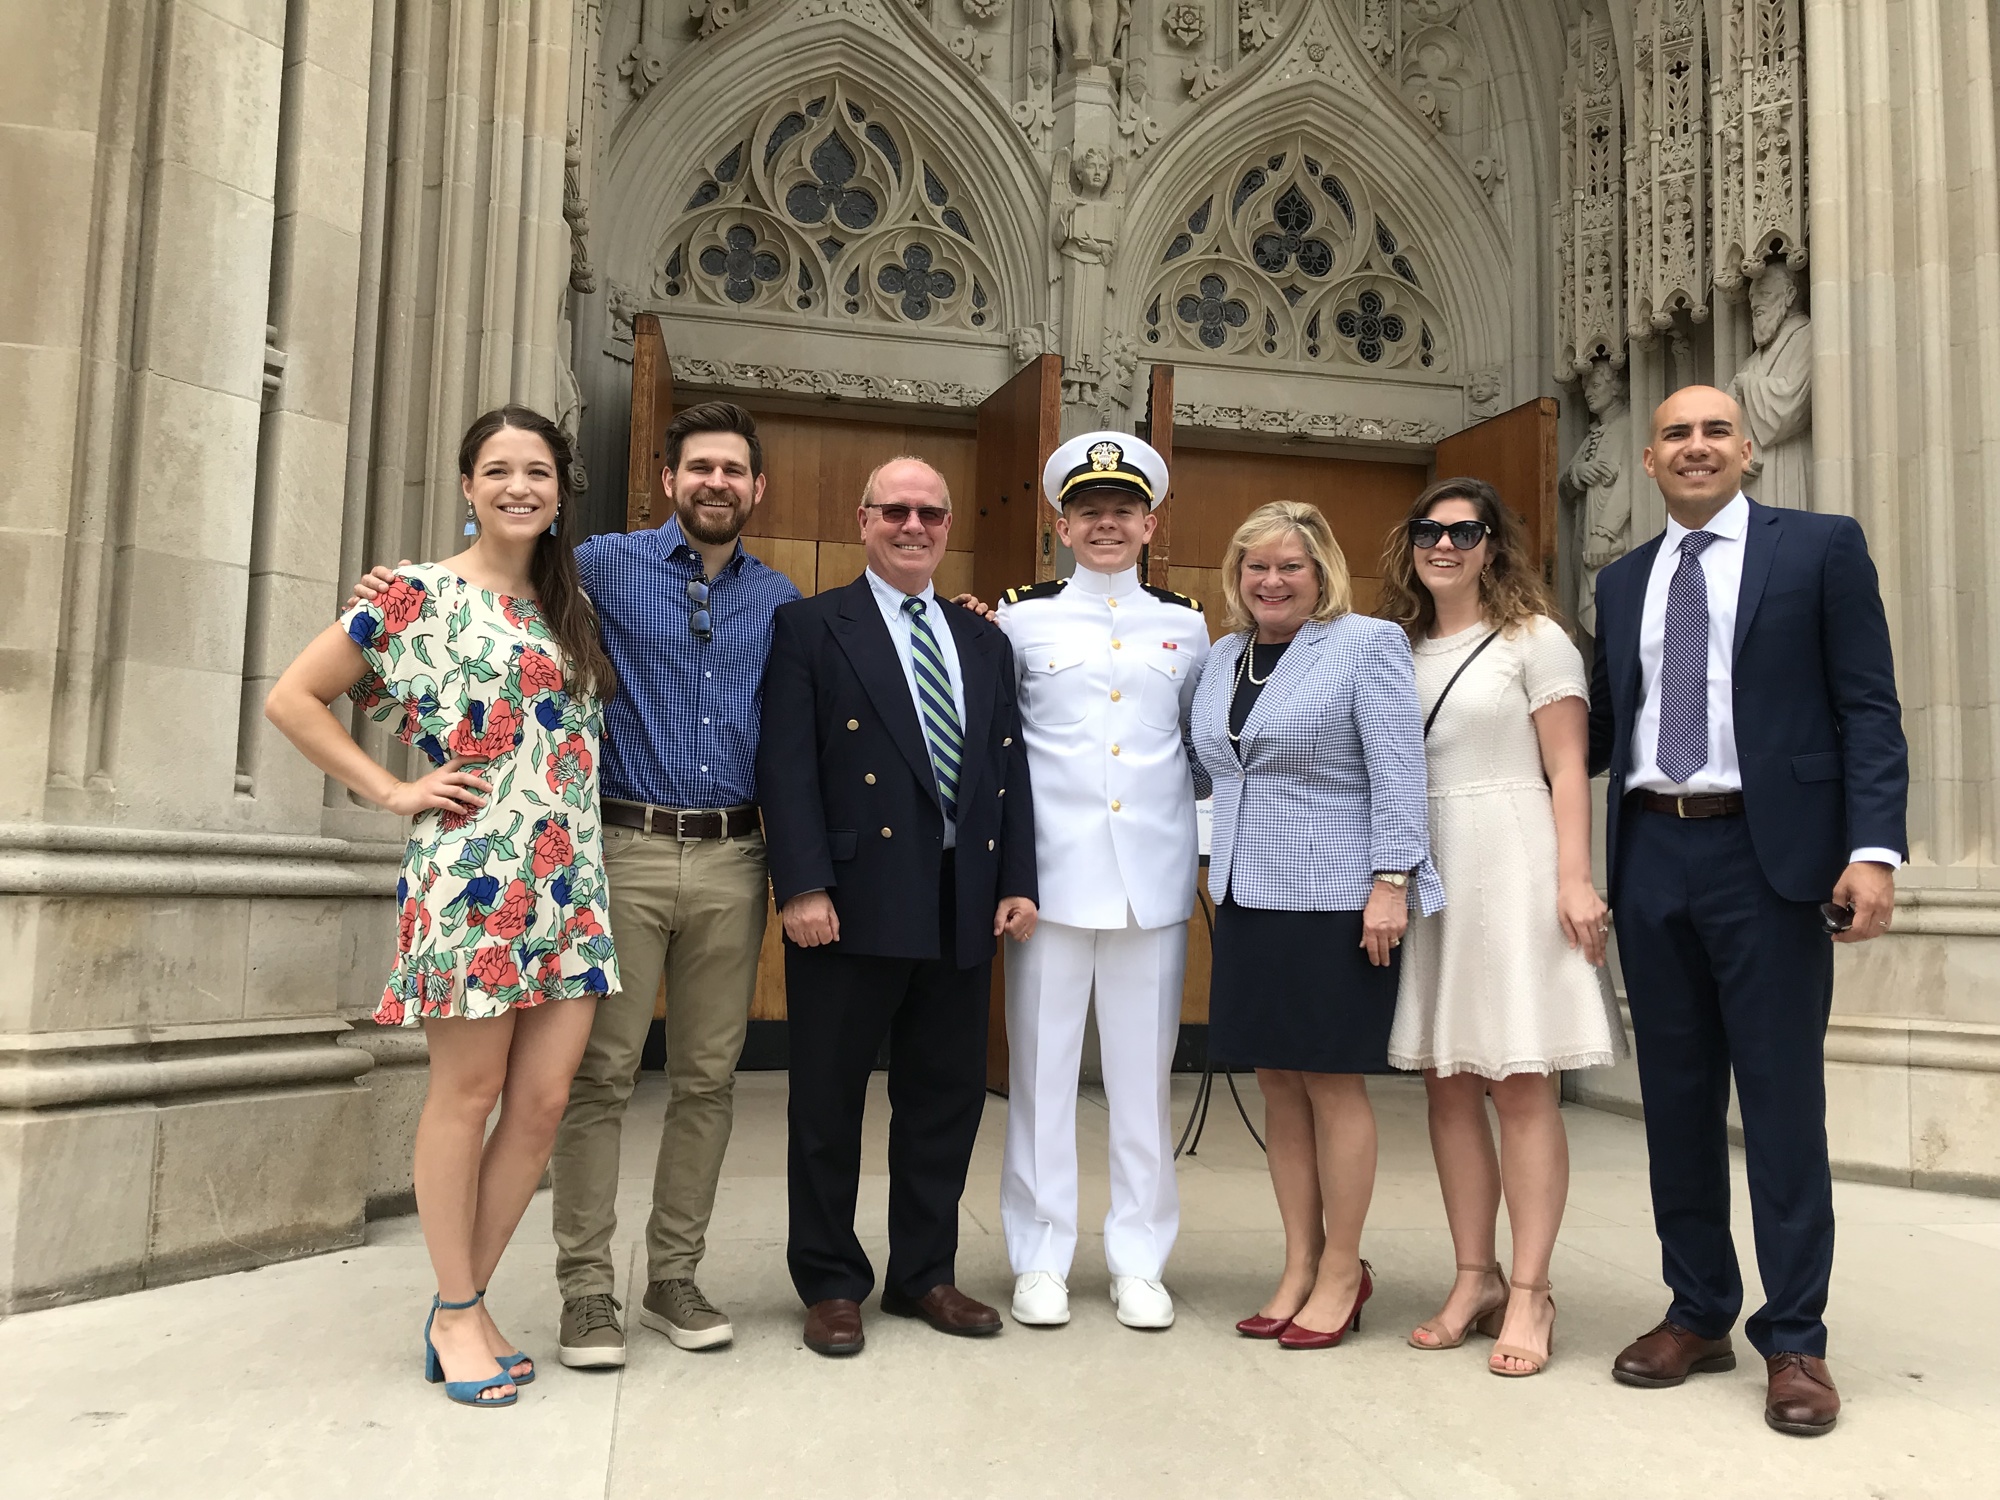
(505, 906)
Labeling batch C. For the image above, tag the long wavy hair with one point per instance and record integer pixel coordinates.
(563, 603)
(1268, 523)
(1510, 589)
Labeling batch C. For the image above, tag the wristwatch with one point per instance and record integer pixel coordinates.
(1396, 878)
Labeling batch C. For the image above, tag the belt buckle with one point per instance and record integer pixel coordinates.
(680, 825)
(1681, 807)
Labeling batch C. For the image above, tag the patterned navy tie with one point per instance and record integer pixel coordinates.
(1684, 664)
(940, 714)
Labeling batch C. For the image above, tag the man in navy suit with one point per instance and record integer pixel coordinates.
(1743, 699)
(900, 826)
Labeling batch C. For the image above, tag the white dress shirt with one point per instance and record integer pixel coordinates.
(890, 599)
(1722, 565)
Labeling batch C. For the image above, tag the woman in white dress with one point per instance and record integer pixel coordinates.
(1498, 993)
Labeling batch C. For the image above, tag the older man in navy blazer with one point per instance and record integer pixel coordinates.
(1744, 702)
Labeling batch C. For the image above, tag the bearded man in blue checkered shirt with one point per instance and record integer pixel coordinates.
(686, 616)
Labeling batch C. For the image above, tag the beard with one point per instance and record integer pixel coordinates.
(708, 529)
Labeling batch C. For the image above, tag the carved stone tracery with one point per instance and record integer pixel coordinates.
(1590, 208)
(1757, 139)
(829, 205)
(1285, 256)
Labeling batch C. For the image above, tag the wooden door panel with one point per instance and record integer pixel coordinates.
(1158, 430)
(1514, 452)
(1020, 425)
(652, 408)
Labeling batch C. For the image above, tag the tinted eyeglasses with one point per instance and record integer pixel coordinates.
(933, 516)
(699, 621)
(1465, 535)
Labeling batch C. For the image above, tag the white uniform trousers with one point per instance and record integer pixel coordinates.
(1137, 974)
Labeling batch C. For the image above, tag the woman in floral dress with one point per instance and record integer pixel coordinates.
(490, 662)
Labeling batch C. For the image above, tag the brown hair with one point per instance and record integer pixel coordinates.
(552, 568)
(1510, 587)
(1267, 523)
(714, 416)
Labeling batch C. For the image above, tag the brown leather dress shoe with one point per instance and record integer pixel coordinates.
(1668, 1355)
(1801, 1399)
(946, 1309)
(833, 1327)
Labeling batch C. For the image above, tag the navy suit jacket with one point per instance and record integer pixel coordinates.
(850, 800)
(1819, 732)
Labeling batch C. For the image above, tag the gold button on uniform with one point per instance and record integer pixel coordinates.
(1115, 804)
(1112, 602)
(1116, 695)
(885, 833)
(869, 778)
(1117, 645)
(1114, 749)
(1008, 741)
(853, 723)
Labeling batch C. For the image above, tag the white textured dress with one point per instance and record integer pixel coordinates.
(1490, 985)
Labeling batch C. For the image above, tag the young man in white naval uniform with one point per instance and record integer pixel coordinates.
(1106, 668)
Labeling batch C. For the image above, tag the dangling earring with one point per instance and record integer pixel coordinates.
(552, 524)
(471, 525)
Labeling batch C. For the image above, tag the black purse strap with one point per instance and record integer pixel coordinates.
(1432, 717)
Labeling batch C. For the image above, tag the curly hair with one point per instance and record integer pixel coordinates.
(1510, 588)
(1267, 523)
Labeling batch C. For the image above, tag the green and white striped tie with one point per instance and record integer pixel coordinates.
(940, 715)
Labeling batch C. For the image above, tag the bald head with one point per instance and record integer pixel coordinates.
(1698, 453)
(905, 517)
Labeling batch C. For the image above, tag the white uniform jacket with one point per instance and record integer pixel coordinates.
(1107, 669)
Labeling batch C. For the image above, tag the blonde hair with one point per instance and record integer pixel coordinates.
(1269, 523)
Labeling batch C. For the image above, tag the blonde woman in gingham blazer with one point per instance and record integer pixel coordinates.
(1306, 721)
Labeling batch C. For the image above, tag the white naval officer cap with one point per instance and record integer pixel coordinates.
(1105, 461)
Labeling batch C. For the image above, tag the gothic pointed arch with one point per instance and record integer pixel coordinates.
(1312, 221)
(796, 186)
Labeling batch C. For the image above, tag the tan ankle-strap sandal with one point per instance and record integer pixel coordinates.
(1484, 1321)
(1535, 1362)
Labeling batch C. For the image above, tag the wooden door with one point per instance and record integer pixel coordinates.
(1014, 543)
(1514, 452)
(1158, 429)
(652, 408)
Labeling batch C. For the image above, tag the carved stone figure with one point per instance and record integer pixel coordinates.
(1598, 480)
(1775, 389)
(1086, 224)
(1085, 207)
(1088, 30)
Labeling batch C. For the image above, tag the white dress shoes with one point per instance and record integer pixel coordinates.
(1140, 1303)
(1041, 1299)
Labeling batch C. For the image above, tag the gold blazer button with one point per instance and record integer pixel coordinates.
(853, 723)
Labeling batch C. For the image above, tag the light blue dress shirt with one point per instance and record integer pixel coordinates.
(890, 599)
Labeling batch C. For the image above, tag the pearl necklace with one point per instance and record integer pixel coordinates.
(1243, 670)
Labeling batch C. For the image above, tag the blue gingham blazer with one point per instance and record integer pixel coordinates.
(1331, 786)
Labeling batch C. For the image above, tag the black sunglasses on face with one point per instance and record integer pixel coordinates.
(933, 516)
(699, 621)
(1465, 535)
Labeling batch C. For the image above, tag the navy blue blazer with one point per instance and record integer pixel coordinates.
(849, 797)
(1819, 731)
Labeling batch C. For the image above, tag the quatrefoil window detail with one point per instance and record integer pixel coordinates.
(916, 283)
(1213, 313)
(833, 163)
(740, 264)
(1369, 327)
(1274, 252)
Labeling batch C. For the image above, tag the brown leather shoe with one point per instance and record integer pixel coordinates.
(1668, 1355)
(1801, 1399)
(946, 1309)
(833, 1327)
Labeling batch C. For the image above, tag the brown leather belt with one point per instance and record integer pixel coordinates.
(1697, 805)
(683, 823)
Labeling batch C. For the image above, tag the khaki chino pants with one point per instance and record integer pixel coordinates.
(695, 911)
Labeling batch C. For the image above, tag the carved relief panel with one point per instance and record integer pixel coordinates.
(1590, 207)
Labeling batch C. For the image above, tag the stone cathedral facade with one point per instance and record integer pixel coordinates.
(265, 258)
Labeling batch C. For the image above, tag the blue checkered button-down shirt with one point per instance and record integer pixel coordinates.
(682, 730)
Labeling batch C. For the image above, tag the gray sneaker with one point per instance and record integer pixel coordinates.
(678, 1309)
(591, 1338)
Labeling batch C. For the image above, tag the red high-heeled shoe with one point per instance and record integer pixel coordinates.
(1295, 1337)
(1257, 1326)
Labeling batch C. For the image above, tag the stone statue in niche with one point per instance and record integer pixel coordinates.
(1598, 480)
(1088, 30)
(1774, 388)
(1086, 204)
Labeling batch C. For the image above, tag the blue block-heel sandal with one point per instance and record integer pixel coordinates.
(508, 1361)
(464, 1392)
